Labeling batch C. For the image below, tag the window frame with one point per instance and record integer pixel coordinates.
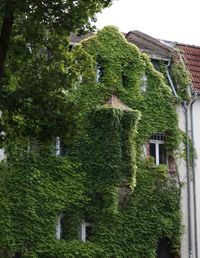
(59, 229)
(83, 232)
(158, 139)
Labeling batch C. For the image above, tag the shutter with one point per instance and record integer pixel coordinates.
(171, 164)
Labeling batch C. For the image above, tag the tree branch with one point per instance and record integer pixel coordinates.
(5, 37)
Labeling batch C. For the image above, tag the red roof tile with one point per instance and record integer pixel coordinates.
(191, 55)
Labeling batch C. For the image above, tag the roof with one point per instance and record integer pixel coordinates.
(154, 48)
(74, 38)
(191, 55)
(117, 103)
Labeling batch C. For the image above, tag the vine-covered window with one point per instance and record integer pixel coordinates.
(85, 231)
(60, 147)
(144, 83)
(157, 148)
(99, 69)
(59, 226)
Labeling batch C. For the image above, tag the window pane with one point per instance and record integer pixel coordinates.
(153, 151)
(87, 233)
(162, 154)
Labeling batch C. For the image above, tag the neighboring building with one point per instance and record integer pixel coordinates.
(191, 57)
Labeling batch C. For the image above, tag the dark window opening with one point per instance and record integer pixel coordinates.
(162, 154)
(125, 80)
(153, 150)
(88, 231)
(163, 249)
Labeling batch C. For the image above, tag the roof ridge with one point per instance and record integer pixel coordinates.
(186, 45)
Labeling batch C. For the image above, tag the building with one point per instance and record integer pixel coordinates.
(116, 193)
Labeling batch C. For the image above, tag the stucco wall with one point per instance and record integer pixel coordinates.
(183, 175)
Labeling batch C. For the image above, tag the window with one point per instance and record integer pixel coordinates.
(157, 148)
(59, 227)
(99, 69)
(98, 72)
(60, 147)
(2, 154)
(144, 83)
(124, 191)
(85, 231)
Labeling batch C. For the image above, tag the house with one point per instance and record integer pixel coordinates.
(120, 75)
(115, 192)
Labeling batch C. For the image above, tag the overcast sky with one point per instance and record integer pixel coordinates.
(175, 20)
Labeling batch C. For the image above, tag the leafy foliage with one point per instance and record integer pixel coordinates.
(34, 61)
(104, 151)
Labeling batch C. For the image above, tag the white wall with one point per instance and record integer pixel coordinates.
(183, 174)
(183, 178)
(196, 124)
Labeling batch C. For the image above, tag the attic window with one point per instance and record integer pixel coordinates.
(59, 226)
(99, 69)
(60, 147)
(144, 83)
(157, 148)
(125, 80)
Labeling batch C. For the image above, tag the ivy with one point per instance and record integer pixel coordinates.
(182, 79)
(105, 145)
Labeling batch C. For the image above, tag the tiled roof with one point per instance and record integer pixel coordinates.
(191, 55)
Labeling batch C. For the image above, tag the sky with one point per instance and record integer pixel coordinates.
(174, 20)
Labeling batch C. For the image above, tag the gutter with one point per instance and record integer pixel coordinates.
(185, 106)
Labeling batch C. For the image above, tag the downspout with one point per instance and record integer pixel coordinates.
(194, 176)
(188, 179)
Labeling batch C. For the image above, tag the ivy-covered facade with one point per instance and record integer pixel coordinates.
(114, 192)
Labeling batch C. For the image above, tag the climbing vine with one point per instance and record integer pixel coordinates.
(105, 154)
(182, 79)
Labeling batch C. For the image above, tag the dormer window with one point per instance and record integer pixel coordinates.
(157, 148)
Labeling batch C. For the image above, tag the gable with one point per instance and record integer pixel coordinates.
(149, 45)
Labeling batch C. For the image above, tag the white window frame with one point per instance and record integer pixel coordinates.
(58, 146)
(157, 144)
(144, 83)
(84, 225)
(98, 72)
(59, 226)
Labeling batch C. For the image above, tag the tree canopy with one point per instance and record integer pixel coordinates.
(35, 62)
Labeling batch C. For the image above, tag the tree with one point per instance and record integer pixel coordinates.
(36, 67)
(59, 15)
